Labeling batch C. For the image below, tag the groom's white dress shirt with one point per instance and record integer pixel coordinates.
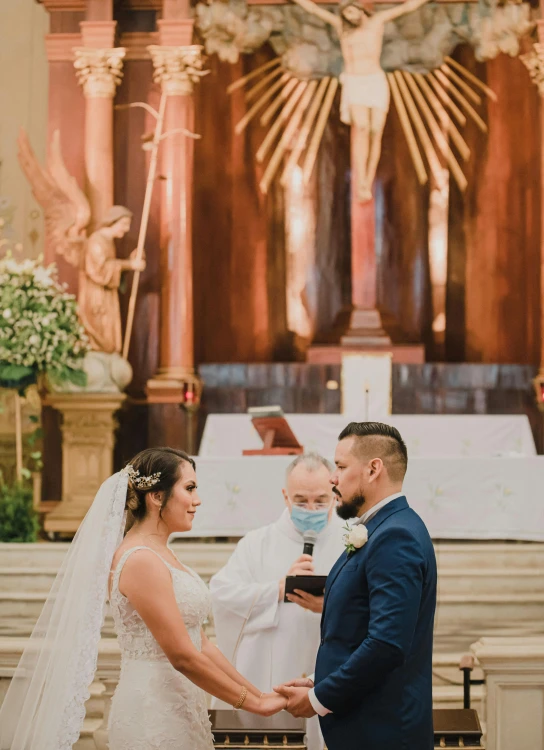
(318, 707)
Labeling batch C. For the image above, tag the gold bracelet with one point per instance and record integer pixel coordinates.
(241, 700)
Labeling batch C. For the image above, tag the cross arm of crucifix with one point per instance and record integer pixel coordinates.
(324, 15)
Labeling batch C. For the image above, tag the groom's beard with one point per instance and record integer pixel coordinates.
(350, 508)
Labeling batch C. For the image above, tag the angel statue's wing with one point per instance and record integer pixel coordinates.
(66, 209)
(432, 108)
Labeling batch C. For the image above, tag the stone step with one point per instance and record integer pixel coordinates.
(468, 583)
(19, 611)
(478, 555)
(31, 579)
(95, 704)
(210, 556)
(86, 741)
(206, 558)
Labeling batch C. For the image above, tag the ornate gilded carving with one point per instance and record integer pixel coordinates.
(99, 71)
(177, 69)
(88, 427)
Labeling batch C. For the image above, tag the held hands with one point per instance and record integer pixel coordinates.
(296, 692)
(271, 703)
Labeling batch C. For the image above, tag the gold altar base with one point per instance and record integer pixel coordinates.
(361, 331)
(365, 329)
(88, 427)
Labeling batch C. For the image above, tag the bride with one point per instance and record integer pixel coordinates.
(158, 606)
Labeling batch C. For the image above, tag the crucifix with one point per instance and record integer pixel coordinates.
(430, 107)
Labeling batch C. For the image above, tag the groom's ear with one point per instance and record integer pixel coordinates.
(375, 468)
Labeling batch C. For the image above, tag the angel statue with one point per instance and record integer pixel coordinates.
(67, 215)
(365, 90)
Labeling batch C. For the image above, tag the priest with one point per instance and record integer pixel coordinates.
(268, 640)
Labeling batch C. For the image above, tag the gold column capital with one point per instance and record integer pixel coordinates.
(177, 68)
(99, 70)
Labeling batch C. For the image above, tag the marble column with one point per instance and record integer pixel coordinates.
(99, 70)
(177, 68)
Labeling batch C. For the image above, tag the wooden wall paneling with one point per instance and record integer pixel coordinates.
(232, 274)
(455, 335)
(333, 235)
(501, 221)
(403, 282)
(443, 388)
(283, 346)
(249, 306)
(212, 217)
(52, 454)
(65, 21)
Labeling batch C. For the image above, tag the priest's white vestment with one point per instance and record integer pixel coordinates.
(268, 641)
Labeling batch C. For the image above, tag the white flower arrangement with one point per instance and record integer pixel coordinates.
(40, 332)
(355, 537)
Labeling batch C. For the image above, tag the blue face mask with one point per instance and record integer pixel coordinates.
(309, 520)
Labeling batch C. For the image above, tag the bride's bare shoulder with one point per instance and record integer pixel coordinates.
(145, 557)
(143, 570)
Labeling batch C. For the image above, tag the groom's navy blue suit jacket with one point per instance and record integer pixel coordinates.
(374, 665)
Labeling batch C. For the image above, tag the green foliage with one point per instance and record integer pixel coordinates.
(18, 519)
(40, 332)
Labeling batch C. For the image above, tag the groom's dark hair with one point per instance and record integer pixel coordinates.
(379, 440)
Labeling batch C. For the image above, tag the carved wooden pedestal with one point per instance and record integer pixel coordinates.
(88, 426)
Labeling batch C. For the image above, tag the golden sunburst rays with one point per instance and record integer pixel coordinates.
(432, 108)
(297, 113)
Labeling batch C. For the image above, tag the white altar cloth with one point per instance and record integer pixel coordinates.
(425, 435)
(458, 498)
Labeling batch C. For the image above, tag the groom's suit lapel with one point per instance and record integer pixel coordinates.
(382, 515)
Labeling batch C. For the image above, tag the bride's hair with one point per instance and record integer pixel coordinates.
(167, 464)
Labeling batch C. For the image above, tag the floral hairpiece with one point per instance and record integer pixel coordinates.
(141, 483)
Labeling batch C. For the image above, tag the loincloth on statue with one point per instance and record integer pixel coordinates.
(370, 90)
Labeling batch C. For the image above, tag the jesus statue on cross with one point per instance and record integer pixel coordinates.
(365, 90)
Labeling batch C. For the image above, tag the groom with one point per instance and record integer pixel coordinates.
(373, 676)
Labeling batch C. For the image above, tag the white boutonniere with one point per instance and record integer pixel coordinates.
(355, 537)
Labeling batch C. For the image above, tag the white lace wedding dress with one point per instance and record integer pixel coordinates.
(154, 706)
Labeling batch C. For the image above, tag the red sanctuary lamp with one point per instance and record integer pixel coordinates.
(191, 393)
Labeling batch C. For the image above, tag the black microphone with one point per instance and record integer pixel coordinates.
(310, 538)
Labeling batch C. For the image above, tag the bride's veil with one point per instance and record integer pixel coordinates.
(44, 707)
